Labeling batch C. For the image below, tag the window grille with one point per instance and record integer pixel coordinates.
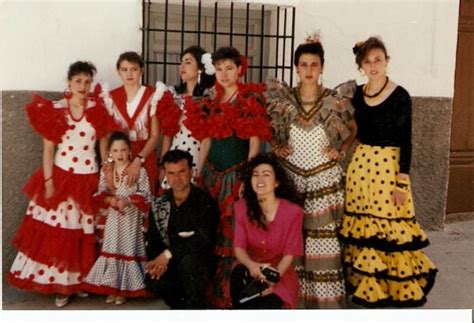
(263, 33)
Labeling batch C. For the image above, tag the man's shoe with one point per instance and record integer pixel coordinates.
(61, 300)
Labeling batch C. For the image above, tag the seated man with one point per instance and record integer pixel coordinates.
(181, 238)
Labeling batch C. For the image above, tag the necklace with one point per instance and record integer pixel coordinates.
(118, 178)
(70, 111)
(378, 93)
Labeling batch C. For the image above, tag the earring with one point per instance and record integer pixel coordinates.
(199, 76)
(67, 93)
(110, 160)
(320, 80)
(362, 72)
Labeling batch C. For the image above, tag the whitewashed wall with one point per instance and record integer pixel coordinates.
(38, 39)
(420, 35)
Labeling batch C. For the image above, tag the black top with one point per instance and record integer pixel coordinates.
(198, 213)
(386, 124)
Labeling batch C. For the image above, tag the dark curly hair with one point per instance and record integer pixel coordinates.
(116, 136)
(361, 49)
(227, 53)
(207, 81)
(285, 190)
(309, 48)
(81, 67)
(132, 57)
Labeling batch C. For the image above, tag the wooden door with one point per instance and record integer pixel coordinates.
(461, 159)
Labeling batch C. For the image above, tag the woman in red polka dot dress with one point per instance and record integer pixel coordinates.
(56, 238)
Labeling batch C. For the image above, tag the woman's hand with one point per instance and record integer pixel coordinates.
(121, 204)
(283, 152)
(398, 197)
(49, 189)
(255, 271)
(269, 290)
(333, 153)
(133, 171)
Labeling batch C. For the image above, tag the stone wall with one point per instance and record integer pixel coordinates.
(22, 150)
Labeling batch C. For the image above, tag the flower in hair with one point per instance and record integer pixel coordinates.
(206, 60)
(357, 47)
(313, 37)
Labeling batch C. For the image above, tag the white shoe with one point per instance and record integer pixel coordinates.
(82, 294)
(120, 300)
(61, 300)
(110, 299)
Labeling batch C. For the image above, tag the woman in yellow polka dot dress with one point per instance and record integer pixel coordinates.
(384, 262)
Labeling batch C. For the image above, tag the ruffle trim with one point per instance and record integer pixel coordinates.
(49, 122)
(382, 234)
(79, 187)
(168, 112)
(53, 246)
(106, 290)
(98, 116)
(390, 301)
(245, 115)
(30, 285)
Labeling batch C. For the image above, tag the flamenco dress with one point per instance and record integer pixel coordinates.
(230, 126)
(172, 111)
(383, 257)
(318, 179)
(55, 241)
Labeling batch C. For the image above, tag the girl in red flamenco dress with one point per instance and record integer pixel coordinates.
(55, 241)
(231, 122)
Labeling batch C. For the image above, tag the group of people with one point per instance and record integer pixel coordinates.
(209, 220)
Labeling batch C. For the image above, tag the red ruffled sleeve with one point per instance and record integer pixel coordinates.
(168, 113)
(49, 122)
(197, 117)
(253, 119)
(98, 116)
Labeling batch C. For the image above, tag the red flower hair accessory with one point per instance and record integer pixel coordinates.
(244, 65)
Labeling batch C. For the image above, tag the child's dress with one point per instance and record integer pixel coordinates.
(120, 268)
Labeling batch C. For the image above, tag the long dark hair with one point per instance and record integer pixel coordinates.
(207, 81)
(285, 190)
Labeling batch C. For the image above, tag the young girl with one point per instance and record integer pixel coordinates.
(119, 270)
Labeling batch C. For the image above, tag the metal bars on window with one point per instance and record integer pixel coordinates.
(263, 33)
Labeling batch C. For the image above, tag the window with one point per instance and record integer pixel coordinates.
(263, 33)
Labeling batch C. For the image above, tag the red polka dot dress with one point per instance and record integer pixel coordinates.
(55, 241)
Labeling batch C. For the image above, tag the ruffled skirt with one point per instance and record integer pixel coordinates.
(384, 262)
(56, 238)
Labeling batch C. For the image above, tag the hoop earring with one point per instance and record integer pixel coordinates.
(67, 93)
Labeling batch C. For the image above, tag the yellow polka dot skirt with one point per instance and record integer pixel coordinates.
(384, 264)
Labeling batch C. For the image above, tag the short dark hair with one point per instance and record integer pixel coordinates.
(116, 136)
(309, 48)
(176, 155)
(131, 57)
(361, 49)
(81, 67)
(224, 53)
(286, 188)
